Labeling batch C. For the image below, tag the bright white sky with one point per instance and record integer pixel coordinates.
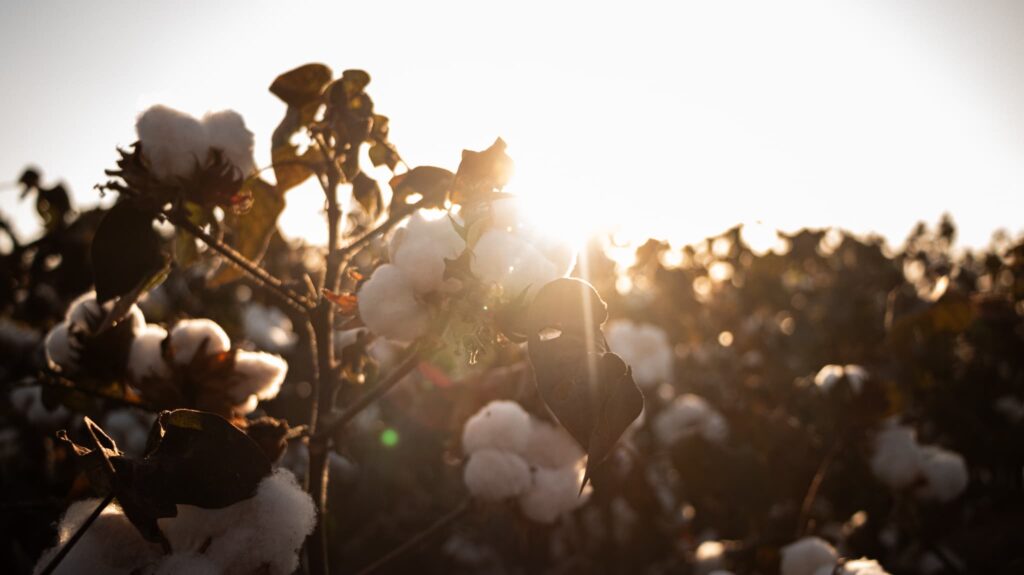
(671, 119)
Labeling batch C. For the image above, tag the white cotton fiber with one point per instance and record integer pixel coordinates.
(422, 248)
(551, 446)
(174, 144)
(897, 458)
(188, 563)
(263, 532)
(689, 415)
(830, 375)
(188, 336)
(505, 259)
(129, 428)
(945, 474)
(59, 354)
(110, 545)
(226, 131)
(29, 401)
(258, 373)
(500, 425)
(145, 360)
(807, 556)
(709, 556)
(269, 328)
(85, 314)
(389, 307)
(493, 475)
(645, 347)
(552, 493)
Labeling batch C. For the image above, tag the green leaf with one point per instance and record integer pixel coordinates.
(251, 232)
(126, 252)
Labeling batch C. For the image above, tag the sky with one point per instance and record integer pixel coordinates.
(674, 119)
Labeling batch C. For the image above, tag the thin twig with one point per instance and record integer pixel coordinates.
(78, 535)
(51, 379)
(408, 363)
(442, 522)
(812, 490)
(263, 277)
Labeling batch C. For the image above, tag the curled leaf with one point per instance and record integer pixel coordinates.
(127, 253)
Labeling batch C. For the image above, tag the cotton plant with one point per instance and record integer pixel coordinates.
(262, 534)
(930, 472)
(513, 455)
(644, 346)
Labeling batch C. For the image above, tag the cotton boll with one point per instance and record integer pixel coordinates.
(645, 347)
(945, 474)
(389, 307)
(551, 446)
(498, 425)
(552, 493)
(807, 556)
(59, 354)
(710, 556)
(507, 260)
(85, 314)
(174, 144)
(129, 428)
(110, 545)
(29, 401)
(422, 249)
(830, 375)
(145, 359)
(188, 563)
(493, 475)
(188, 336)
(897, 458)
(258, 373)
(689, 415)
(863, 566)
(226, 131)
(269, 328)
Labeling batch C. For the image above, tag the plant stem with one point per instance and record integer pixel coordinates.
(78, 535)
(815, 486)
(411, 360)
(48, 378)
(262, 278)
(420, 537)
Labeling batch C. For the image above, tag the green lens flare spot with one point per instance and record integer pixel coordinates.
(389, 437)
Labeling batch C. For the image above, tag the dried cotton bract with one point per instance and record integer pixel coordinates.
(645, 347)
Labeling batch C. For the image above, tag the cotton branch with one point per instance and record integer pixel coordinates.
(434, 528)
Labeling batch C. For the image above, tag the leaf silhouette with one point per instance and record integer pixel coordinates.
(126, 252)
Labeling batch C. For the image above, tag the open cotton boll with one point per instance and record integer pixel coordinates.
(226, 131)
(507, 260)
(29, 401)
(174, 144)
(110, 545)
(129, 428)
(807, 556)
(710, 556)
(188, 335)
(828, 376)
(422, 249)
(265, 531)
(689, 415)
(145, 359)
(258, 373)
(498, 425)
(86, 314)
(551, 446)
(59, 354)
(189, 563)
(269, 328)
(493, 475)
(945, 474)
(897, 457)
(552, 493)
(389, 307)
(645, 348)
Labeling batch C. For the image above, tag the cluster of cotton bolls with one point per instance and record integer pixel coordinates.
(932, 472)
(68, 340)
(262, 534)
(687, 416)
(269, 328)
(514, 455)
(645, 347)
(393, 302)
(814, 556)
(518, 257)
(175, 145)
(829, 376)
(158, 359)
